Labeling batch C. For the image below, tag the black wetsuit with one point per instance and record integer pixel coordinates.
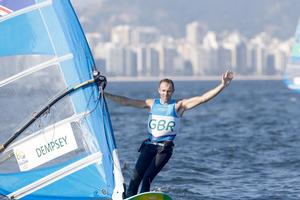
(153, 157)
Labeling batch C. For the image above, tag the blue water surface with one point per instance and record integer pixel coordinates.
(244, 144)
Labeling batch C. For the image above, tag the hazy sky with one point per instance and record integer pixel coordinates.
(277, 17)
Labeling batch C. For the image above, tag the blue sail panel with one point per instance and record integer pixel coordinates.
(27, 35)
(88, 183)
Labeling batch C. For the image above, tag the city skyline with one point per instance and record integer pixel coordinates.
(254, 38)
(145, 52)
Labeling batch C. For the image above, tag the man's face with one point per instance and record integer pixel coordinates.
(165, 91)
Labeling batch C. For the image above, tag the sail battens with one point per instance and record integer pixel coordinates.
(36, 68)
(26, 10)
(47, 180)
(48, 32)
(73, 118)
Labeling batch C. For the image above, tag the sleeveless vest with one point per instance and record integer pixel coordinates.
(163, 122)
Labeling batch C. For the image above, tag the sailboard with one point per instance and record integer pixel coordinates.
(292, 71)
(57, 142)
(150, 196)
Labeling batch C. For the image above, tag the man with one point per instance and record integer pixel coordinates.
(163, 125)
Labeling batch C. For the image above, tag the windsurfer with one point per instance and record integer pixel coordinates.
(163, 125)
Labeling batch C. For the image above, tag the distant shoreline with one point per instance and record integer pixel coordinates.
(191, 78)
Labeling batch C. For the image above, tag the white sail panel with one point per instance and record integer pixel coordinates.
(45, 147)
(292, 71)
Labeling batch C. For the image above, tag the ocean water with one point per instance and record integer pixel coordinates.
(243, 144)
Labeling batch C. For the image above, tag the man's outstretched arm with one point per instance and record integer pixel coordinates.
(190, 103)
(125, 101)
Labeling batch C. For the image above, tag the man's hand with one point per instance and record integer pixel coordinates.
(227, 77)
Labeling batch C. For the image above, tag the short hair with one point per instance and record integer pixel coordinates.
(169, 81)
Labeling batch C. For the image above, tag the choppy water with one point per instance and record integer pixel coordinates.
(244, 144)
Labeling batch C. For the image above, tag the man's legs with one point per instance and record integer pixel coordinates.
(156, 165)
(144, 160)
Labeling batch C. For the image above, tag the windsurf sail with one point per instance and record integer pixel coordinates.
(56, 135)
(292, 71)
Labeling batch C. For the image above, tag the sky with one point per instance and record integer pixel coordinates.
(276, 17)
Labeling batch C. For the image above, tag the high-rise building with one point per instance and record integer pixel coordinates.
(152, 61)
(211, 44)
(141, 54)
(210, 40)
(166, 59)
(269, 68)
(258, 59)
(179, 66)
(195, 33)
(224, 59)
(130, 62)
(280, 61)
(259, 52)
(121, 35)
(278, 50)
(200, 59)
(115, 61)
(144, 35)
(241, 58)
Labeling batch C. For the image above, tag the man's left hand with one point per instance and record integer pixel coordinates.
(227, 77)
